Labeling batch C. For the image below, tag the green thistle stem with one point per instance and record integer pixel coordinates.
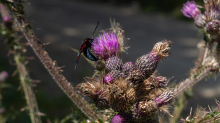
(29, 94)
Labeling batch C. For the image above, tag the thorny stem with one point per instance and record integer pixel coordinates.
(25, 80)
(182, 99)
(29, 94)
(52, 67)
(190, 81)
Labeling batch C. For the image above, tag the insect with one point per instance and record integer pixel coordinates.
(86, 49)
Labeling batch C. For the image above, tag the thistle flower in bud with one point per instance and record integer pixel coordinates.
(199, 20)
(164, 98)
(143, 88)
(136, 76)
(113, 63)
(148, 63)
(212, 27)
(190, 9)
(105, 45)
(111, 76)
(161, 81)
(127, 67)
(3, 76)
(95, 91)
(122, 118)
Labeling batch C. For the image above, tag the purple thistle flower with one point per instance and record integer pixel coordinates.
(105, 45)
(108, 79)
(121, 118)
(6, 18)
(190, 9)
(3, 75)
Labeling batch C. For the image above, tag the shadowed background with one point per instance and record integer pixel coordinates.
(66, 23)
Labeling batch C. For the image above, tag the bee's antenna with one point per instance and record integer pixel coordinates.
(95, 30)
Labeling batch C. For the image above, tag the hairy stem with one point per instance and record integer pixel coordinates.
(29, 94)
(23, 74)
(190, 81)
(50, 65)
(182, 99)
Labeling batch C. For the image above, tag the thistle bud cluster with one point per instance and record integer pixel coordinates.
(209, 22)
(130, 89)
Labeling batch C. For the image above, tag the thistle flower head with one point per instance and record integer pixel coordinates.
(127, 67)
(117, 95)
(190, 9)
(212, 27)
(113, 63)
(143, 88)
(200, 21)
(162, 48)
(106, 45)
(136, 76)
(212, 9)
(142, 111)
(161, 81)
(122, 118)
(92, 88)
(111, 76)
(164, 98)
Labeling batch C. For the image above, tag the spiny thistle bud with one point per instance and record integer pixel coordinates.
(199, 20)
(164, 98)
(122, 118)
(95, 91)
(110, 77)
(143, 88)
(161, 81)
(136, 76)
(144, 110)
(113, 63)
(105, 45)
(148, 63)
(212, 27)
(127, 67)
(190, 9)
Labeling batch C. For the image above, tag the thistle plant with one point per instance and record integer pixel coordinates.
(129, 89)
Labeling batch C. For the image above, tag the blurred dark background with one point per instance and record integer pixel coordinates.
(65, 23)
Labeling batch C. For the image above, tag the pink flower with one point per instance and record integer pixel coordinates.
(105, 45)
(190, 9)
